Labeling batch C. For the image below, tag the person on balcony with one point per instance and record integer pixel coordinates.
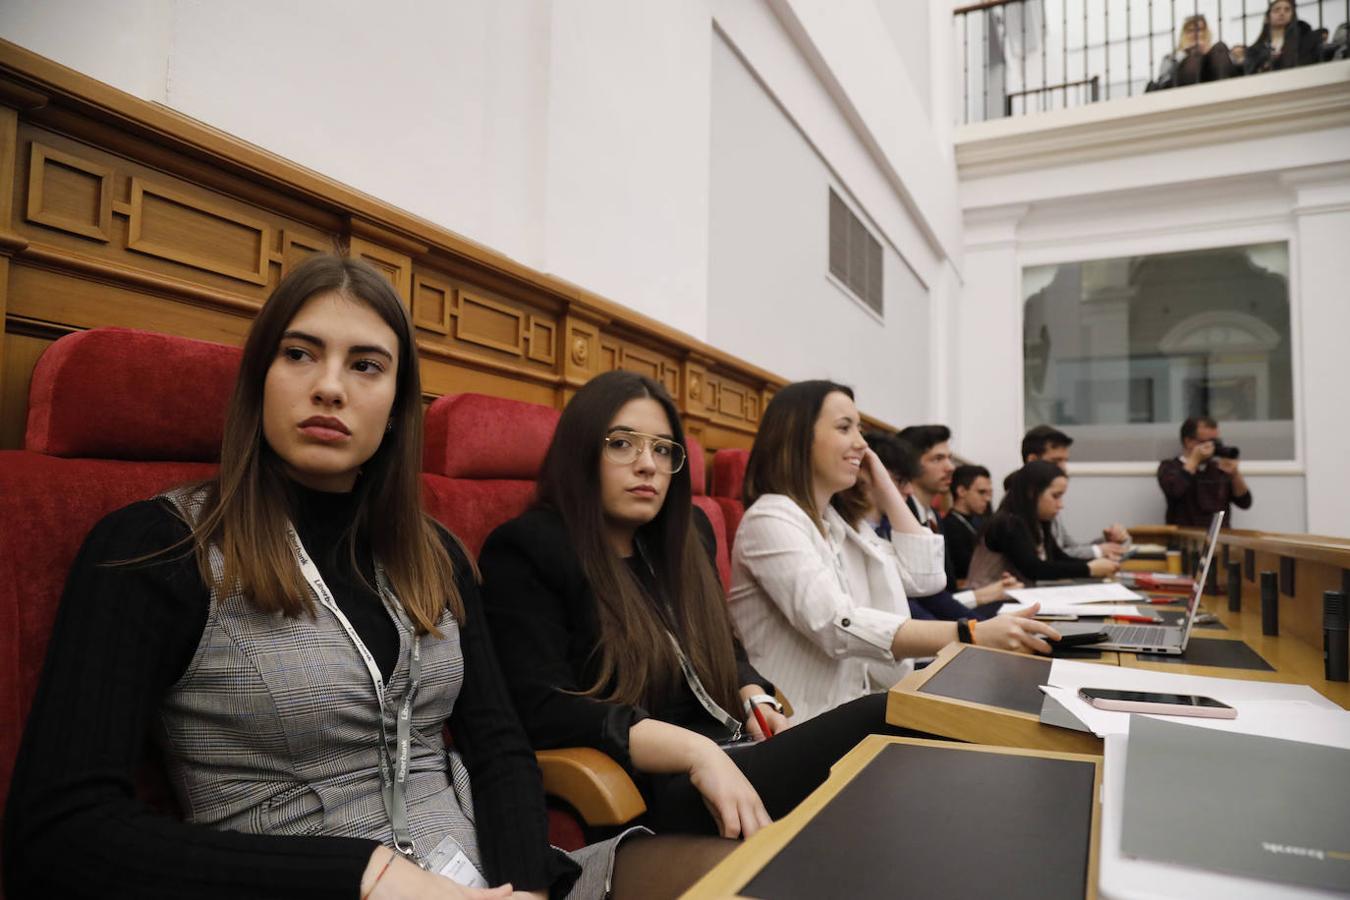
(613, 632)
(1197, 58)
(1285, 41)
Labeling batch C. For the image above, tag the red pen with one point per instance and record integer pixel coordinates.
(1144, 620)
(763, 722)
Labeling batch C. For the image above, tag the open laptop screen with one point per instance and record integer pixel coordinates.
(1202, 575)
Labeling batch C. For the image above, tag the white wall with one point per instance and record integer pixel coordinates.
(1095, 501)
(125, 44)
(1243, 181)
(769, 260)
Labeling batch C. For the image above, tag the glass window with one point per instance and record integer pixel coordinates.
(1118, 352)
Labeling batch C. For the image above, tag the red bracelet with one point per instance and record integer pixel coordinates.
(366, 895)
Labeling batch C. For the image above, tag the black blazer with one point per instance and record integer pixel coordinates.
(543, 621)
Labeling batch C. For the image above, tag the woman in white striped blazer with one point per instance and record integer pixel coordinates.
(820, 603)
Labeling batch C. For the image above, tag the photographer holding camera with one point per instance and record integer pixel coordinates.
(1204, 479)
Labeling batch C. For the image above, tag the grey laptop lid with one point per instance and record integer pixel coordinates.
(1211, 543)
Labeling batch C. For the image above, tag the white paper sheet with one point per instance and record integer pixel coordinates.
(1252, 699)
(1074, 594)
(1121, 877)
(1081, 609)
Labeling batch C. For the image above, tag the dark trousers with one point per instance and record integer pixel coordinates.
(1211, 66)
(943, 605)
(783, 769)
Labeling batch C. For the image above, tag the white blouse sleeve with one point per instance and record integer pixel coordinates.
(922, 560)
(783, 558)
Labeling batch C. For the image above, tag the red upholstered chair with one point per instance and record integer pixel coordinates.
(728, 477)
(114, 416)
(711, 508)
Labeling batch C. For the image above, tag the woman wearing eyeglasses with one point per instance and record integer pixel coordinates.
(613, 633)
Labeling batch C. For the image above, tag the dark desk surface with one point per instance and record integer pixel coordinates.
(985, 696)
(885, 824)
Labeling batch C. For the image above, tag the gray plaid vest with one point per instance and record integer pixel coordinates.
(274, 727)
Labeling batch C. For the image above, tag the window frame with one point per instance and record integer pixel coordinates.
(1176, 240)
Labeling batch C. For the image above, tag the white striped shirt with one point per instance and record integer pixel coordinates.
(817, 612)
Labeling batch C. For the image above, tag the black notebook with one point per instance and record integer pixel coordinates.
(942, 821)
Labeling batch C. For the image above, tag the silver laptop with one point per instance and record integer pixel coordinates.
(1167, 639)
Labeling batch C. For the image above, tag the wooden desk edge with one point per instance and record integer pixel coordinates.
(967, 720)
(739, 869)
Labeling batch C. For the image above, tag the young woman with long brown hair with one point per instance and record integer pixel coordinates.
(295, 633)
(819, 599)
(612, 630)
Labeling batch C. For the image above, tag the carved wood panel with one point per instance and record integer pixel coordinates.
(395, 266)
(197, 232)
(104, 207)
(69, 193)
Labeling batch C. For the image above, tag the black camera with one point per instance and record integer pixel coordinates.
(1225, 451)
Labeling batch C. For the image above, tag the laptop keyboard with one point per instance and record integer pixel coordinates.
(1149, 635)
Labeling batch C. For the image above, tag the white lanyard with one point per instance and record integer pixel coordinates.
(711, 706)
(393, 773)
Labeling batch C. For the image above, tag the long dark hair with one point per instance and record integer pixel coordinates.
(636, 663)
(1021, 502)
(246, 513)
(1290, 30)
(780, 458)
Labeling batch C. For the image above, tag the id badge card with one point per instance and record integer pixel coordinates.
(450, 861)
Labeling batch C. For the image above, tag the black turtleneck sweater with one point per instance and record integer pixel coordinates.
(74, 825)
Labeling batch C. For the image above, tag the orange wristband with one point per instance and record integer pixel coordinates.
(970, 623)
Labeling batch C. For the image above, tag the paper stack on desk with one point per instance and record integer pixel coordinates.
(1077, 594)
(1257, 702)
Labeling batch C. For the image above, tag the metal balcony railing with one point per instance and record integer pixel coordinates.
(1023, 56)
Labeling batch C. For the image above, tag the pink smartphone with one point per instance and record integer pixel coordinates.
(1157, 704)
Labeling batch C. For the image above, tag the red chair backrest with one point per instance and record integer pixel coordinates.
(728, 479)
(114, 416)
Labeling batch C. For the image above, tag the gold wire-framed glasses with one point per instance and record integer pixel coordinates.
(624, 447)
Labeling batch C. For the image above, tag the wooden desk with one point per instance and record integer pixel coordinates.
(1295, 661)
(737, 870)
(948, 698)
(1306, 565)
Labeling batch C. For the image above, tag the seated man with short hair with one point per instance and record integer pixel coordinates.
(972, 495)
(1052, 445)
(1204, 479)
(931, 471)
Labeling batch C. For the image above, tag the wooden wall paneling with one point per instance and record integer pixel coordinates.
(9, 242)
(395, 266)
(541, 340)
(197, 232)
(441, 375)
(23, 344)
(206, 241)
(489, 323)
(67, 299)
(296, 247)
(433, 300)
(582, 357)
(69, 193)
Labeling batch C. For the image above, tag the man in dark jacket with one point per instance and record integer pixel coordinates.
(1204, 479)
